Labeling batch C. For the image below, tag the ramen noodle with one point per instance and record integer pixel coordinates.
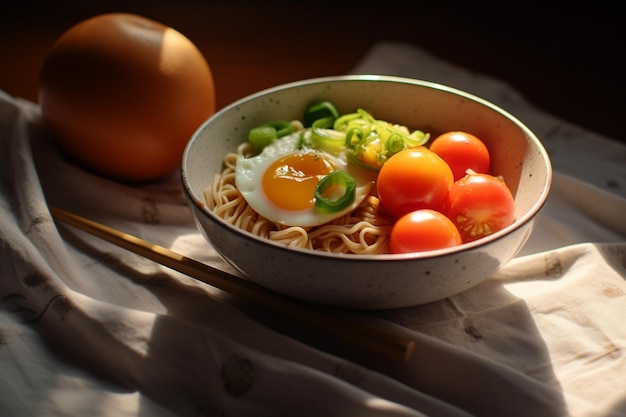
(365, 230)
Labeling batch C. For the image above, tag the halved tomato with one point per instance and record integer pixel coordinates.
(480, 205)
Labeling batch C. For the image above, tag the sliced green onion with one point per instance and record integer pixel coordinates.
(355, 131)
(302, 140)
(395, 143)
(318, 111)
(323, 137)
(417, 138)
(327, 192)
(342, 121)
(283, 128)
(263, 135)
(367, 116)
(323, 123)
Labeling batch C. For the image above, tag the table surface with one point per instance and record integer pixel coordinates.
(564, 61)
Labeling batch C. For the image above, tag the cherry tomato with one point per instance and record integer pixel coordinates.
(479, 205)
(413, 179)
(462, 151)
(423, 230)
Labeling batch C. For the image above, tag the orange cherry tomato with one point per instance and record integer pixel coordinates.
(413, 179)
(462, 151)
(423, 230)
(480, 205)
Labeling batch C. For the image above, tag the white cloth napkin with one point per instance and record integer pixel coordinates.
(87, 328)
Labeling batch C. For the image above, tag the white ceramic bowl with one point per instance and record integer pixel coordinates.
(372, 281)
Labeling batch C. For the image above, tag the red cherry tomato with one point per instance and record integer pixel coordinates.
(413, 179)
(479, 205)
(462, 151)
(423, 230)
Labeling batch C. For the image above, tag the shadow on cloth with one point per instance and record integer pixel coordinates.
(460, 356)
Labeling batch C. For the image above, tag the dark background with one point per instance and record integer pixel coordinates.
(566, 59)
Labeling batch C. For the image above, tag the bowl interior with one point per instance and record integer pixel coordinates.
(516, 153)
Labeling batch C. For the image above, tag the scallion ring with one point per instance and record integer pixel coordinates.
(351, 134)
(394, 144)
(335, 192)
(366, 115)
(318, 111)
(417, 138)
(263, 135)
(326, 138)
(343, 121)
(323, 123)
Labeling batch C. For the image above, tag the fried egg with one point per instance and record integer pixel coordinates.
(279, 183)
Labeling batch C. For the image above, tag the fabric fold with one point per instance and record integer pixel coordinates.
(200, 358)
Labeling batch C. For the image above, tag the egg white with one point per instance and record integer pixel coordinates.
(249, 175)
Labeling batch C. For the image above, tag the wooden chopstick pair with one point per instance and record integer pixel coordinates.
(352, 327)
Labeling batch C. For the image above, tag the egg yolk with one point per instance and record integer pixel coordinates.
(290, 181)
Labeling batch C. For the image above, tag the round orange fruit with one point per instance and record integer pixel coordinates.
(122, 95)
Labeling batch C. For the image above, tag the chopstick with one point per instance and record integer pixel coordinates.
(350, 326)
